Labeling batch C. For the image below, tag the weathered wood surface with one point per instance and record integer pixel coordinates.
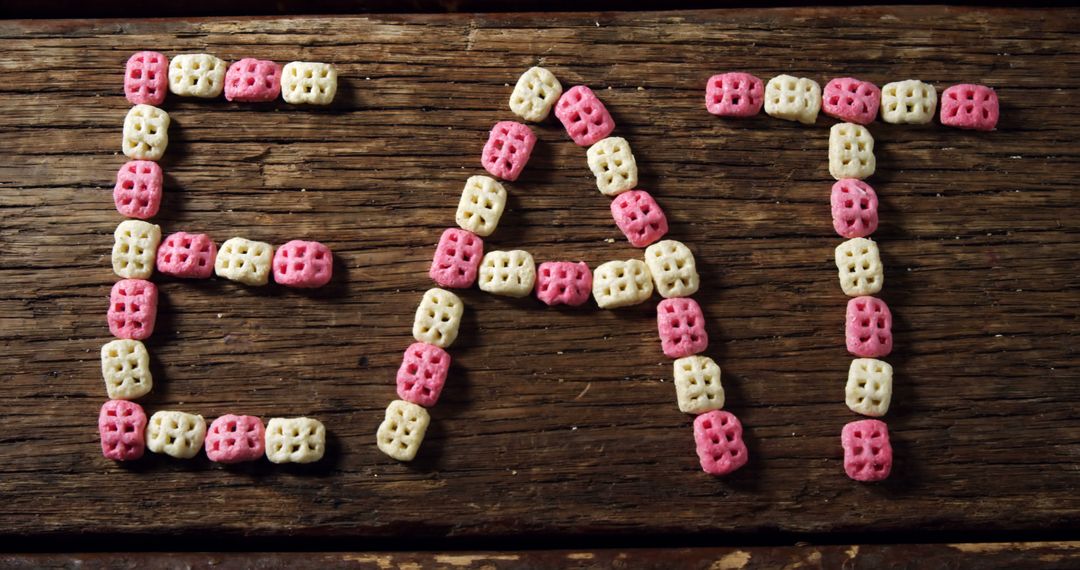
(554, 422)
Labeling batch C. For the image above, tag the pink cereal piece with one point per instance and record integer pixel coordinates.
(457, 259)
(720, 447)
(422, 374)
(852, 100)
(133, 309)
(563, 283)
(867, 452)
(854, 208)
(583, 114)
(137, 193)
(507, 150)
(122, 425)
(639, 217)
(969, 106)
(232, 439)
(682, 327)
(868, 327)
(734, 94)
(304, 264)
(146, 78)
(253, 80)
(187, 255)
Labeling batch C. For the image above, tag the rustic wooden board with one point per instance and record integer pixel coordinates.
(555, 422)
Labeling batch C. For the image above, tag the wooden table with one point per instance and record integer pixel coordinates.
(558, 426)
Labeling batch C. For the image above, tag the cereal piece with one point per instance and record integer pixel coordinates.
(639, 217)
(422, 374)
(507, 149)
(854, 208)
(187, 255)
(122, 426)
(125, 365)
(196, 75)
(232, 439)
(734, 95)
(536, 91)
(438, 318)
(511, 273)
(682, 327)
(244, 261)
(175, 433)
(793, 99)
(146, 78)
(859, 263)
(697, 385)
(852, 100)
(304, 264)
(134, 248)
(720, 446)
(457, 259)
(583, 114)
(851, 152)
(132, 309)
(481, 206)
(146, 133)
(563, 283)
(253, 80)
(295, 440)
(868, 327)
(621, 283)
(673, 269)
(909, 101)
(613, 164)
(867, 452)
(308, 82)
(869, 387)
(968, 106)
(402, 430)
(137, 193)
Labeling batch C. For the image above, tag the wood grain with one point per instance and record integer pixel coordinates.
(555, 423)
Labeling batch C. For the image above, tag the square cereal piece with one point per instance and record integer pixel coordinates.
(146, 78)
(682, 327)
(859, 264)
(122, 426)
(176, 434)
(132, 309)
(196, 75)
(854, 208)
(583, 114)
(507, 150)
(697, 385)
(851, 152)
(146, 133)
(536, 91)
(402, 430)
(138, 189)
(614, 166)
(720, 446)
(125, 365)
(187, 255)
(244, 261)
(868, 327)
(232, 439)
(867, 452)
(734, 94)
(295, 440)
(968, 106)
(793, 99)
(869, 387)
(253, 80)
(134, 250)
(481, 205)
(511, 273)
(621, 284)
(457, 259)
(563, 283)
(304, 264)
(438, 318)
(422, 374)
(909, 101)
(852, 100)
(673, 269)
(639, 217)
(308, 82)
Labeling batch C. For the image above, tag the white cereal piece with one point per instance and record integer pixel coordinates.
(196, 75)
(438, 318)
(697, 385)
(177, 434)
(536, 92)
(482, 203)
(909, 101)
(859, 263)
(673, 269)
(295, 440)
(621, 283)
(869, 387)
(244, 261)
(793, 99)
(134, 252)
(614, 166)
(125, 365)
(511, 273)
(146, 133)
(851, 152)
(402, 430)
(308, 82)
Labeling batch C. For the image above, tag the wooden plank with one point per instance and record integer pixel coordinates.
(555, 422)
